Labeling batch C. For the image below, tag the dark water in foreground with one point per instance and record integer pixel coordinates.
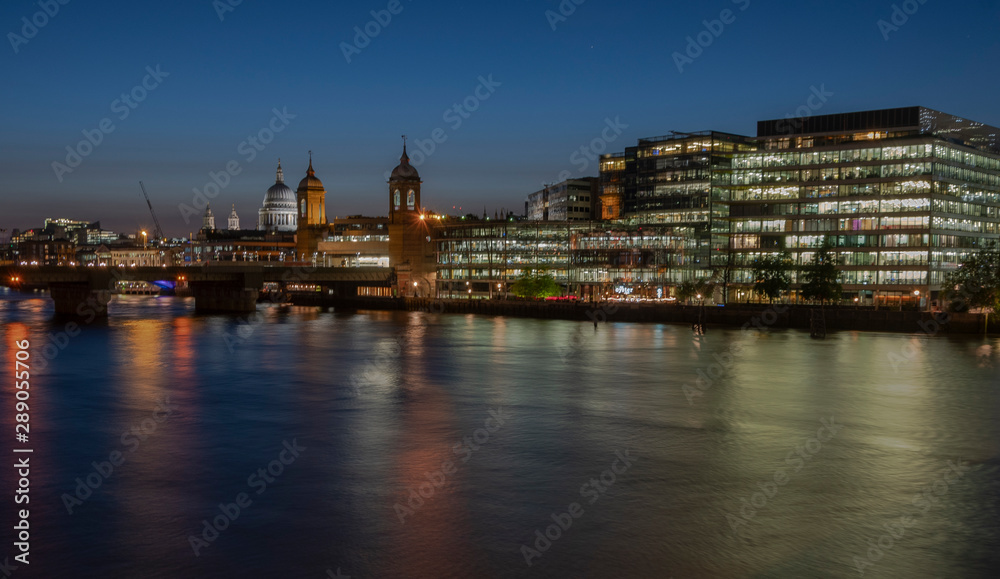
(696, 469)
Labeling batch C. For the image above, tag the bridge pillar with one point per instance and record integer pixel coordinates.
(80, 300)
(223, 297)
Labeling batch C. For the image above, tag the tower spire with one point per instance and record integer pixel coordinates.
(310, 171)
(281, 175)
(405, 159)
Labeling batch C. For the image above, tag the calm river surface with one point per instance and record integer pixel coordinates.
(422, 445)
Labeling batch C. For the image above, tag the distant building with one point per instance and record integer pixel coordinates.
(901, 196)
(240, 245)
(136, 256)
(46, 252)
(208, 221)
(571, 200)
(234, 220)
(356, 241)
(98, 236)
(278, 212)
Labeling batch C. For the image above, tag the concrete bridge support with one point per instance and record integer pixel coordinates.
(214, 297)
(80, 300)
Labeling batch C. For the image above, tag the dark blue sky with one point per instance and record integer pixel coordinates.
(607, 60)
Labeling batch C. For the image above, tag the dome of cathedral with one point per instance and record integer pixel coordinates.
(279, 196)
(278, 213)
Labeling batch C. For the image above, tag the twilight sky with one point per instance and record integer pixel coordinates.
(529, 97)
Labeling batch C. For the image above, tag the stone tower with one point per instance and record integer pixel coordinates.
(404, 191)
(312, 225)
(411, 233)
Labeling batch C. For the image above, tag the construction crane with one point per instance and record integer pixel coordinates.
(158, 232)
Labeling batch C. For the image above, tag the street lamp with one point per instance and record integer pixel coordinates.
(144, 239)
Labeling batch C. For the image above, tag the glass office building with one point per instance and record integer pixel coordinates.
(900, 195)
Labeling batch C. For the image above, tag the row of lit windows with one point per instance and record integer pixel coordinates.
(675, 217)
(751, 177)
(967, 175)
(922, 151)
(864, 224)
(856, 259)
(787, 159)
(748, 241)
(820, 192)
(966, 157)
(856, 224)
(673, 190)
(847, 277)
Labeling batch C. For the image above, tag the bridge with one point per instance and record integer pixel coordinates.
(86, 291)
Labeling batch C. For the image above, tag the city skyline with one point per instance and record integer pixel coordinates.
(534, 119)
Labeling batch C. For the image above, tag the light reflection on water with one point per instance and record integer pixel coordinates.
(426, 382)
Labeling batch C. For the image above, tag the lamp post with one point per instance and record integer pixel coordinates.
(144, 240)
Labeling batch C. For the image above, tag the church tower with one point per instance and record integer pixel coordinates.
(208, 221)
(404, 191)
(411, 234)
(234, 220)
(311, 207)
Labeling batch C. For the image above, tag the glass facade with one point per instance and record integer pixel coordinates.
(901, 195)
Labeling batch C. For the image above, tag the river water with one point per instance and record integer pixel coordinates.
(411, 444)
